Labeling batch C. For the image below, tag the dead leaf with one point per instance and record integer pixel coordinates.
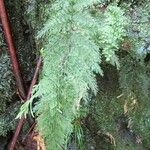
(112, 139)
(40, 142)
(125, 107)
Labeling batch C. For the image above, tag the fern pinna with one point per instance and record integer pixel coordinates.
(70, 60)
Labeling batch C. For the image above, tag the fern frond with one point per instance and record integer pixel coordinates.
(70, 60)
(113, 31)
(70, 57)
(80, 4)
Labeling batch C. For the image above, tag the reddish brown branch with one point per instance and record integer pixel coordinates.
(33, 82)
(12, 50)
(29, 131)
(21, 121)
(16, 68)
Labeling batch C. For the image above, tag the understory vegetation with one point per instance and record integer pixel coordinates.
(93, 87)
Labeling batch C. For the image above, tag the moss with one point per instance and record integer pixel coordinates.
(23, 37)
(7, 119)
(6, 77)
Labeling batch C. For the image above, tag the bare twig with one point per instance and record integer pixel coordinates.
(21, 121)
(31, 128)
(12, 50)
(16, 68)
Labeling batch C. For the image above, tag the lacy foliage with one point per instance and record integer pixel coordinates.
(71, 57)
